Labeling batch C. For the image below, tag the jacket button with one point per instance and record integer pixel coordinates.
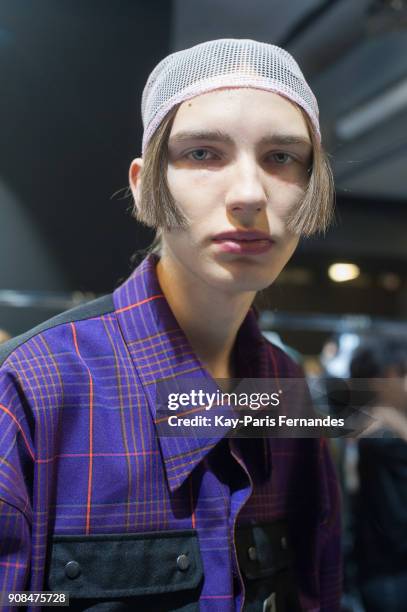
(72, 569)
(283, 543)
(182, 562)
(252, 553)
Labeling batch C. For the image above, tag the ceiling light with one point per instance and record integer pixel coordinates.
(342, 272)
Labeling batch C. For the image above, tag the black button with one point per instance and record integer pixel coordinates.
(72, 569)
(182, 563)
(252, 553)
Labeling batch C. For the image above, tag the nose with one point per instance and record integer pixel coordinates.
(246, 195)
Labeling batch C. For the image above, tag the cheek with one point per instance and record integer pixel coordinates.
(181, 179)
(292, 245)
(285, 196)
(288, 244)
(194, 193)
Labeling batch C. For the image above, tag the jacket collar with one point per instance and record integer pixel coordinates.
(161, 352)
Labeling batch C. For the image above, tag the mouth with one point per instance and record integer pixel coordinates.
(248, 242)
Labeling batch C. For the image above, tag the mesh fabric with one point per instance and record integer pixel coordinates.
(223, 63)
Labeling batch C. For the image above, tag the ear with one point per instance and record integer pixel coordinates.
(135, 179)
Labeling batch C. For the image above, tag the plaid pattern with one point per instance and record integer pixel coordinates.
(79, 452)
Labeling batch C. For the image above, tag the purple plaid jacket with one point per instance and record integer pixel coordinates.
(94, 503)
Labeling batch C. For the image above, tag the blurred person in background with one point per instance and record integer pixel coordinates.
(380, 520)
(332, 397)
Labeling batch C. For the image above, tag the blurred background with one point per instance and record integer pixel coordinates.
(72, 74)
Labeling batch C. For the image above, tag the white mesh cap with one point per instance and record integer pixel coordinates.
(221, 63)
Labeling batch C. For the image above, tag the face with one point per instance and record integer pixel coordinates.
(238, 165)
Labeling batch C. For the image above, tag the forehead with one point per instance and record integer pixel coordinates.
(241, 111)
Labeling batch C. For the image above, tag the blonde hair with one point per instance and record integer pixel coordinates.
(157, 208)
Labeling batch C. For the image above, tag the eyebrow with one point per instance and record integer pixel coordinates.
(212, 135)
(285, 139)
(222, 137)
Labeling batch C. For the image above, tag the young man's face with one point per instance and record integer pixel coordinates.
(238, 162)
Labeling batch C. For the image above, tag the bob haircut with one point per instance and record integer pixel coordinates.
(157, 208)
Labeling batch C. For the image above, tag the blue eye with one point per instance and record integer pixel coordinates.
(200, 155)
(281, 158)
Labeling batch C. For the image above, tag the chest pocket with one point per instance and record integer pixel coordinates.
(265, 563)
(160, 571)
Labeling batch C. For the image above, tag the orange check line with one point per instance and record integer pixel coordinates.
(20, 428)
(88, 502)
(153, 297)
(198, 409)
(77, 455)
(191, 495)
(12, 564)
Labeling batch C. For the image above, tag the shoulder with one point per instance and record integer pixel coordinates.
(56, 326)
(40, 368)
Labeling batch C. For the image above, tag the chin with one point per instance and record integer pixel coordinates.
(242, 280)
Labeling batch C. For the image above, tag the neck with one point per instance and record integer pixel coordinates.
(209, 317)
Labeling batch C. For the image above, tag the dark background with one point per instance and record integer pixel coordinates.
(72, 74)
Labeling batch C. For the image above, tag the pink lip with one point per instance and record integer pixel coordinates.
(245, 242)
